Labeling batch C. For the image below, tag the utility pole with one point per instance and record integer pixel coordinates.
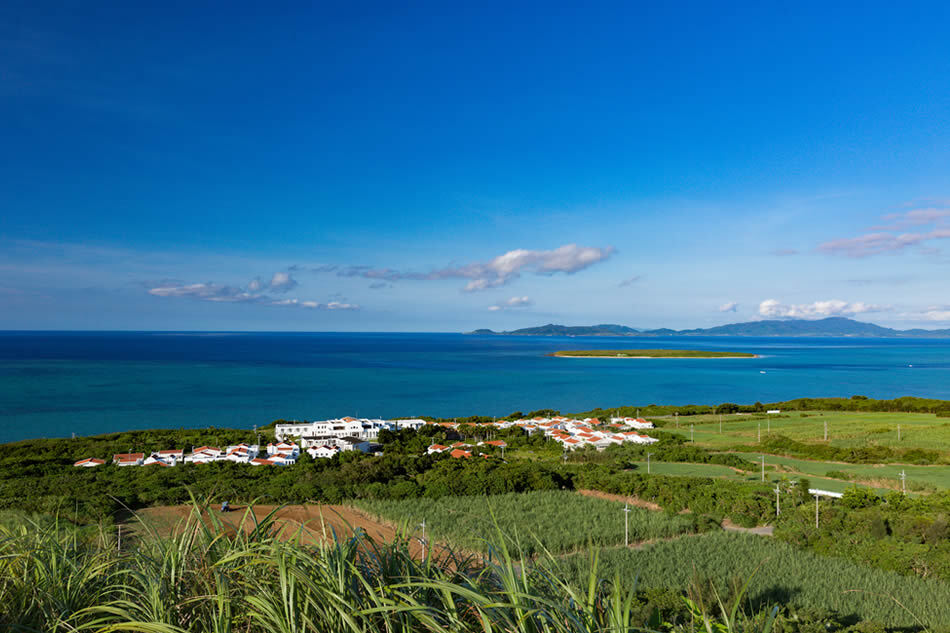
(118, 543)
(816, 512)
(690, 432)
(424, 544)
(676, 416)
(763, 467)
(648, 462)
(626, 529)
(777, 490)
(826, 430)
(760, 432)
(768, 425)
(903, 477)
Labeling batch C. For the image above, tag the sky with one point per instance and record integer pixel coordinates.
(451, 166)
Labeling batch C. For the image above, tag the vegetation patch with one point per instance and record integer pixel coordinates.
(556, 521)
(782, 575)
(650, 353)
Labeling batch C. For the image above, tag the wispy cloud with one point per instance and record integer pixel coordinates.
(254, 292)
(629, 281)
(773, 309)
(499, 271)
(892, 237)
(784, 252)
(514, 302)
(895, 280)
(313, 305)
(934, 313)
(731, 306)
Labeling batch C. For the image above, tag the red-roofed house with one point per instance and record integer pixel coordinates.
(128, 459)
(89, 462)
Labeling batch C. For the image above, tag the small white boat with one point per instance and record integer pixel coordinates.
(761, 371)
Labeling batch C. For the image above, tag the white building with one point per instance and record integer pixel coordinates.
(90, 462)
(323, 452)
(312, 433)
(632, 423)
(157, 459)
(241, 453)
(128, 459)
(203, 455)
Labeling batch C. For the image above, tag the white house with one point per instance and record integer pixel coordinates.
(286, 449)
(323, 452)
(352, 444)
(282, 459)
(128, 459)
(203, 455)
(241, 453)
(157, 459)
(414, 423)
(633, 423)
(90, 462)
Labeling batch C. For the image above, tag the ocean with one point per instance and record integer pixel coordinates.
(55, 384)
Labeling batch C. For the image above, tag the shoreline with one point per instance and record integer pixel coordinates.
(624, 357)
(660, 357)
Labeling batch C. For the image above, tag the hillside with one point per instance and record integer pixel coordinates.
(551, 329)
(832, 326)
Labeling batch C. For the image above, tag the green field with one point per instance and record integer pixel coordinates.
(846, 429)
(883, 475)
(787, 575)
(650, 353)
(559, 521)
(772, 474)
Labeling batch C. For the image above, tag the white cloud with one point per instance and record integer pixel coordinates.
(253, 292)
(771, 308)
(499, 271)
(941, 313)
(314, 305)
(731, 306)
(282, 282)
(207, 292)
(514, 302)
(889, 238)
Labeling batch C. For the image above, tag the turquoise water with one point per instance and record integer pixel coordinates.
(55, 384)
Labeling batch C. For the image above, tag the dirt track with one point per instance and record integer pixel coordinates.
(310, 523)
(634, 501)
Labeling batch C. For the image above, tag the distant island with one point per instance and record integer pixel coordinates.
(649, 353)
(832, 326)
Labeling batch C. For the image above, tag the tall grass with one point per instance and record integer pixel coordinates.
(208, 579)
(781, 574)
(556, 521)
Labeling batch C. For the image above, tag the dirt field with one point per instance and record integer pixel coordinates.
(634, 501)
(310, 523)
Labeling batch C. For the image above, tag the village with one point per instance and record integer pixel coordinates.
(327, 438)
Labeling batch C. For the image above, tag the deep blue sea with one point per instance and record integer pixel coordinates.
(55, 384)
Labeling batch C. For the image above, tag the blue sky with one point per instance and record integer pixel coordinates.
(440, 168)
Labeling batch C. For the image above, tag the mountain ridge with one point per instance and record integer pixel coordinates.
(830, 326)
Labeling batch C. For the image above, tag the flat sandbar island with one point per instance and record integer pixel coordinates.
(649, 353)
